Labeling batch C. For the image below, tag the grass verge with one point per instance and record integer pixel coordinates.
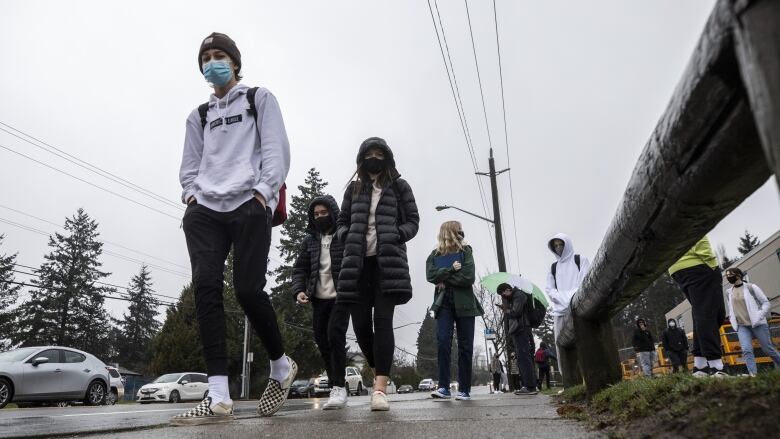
(680, 406)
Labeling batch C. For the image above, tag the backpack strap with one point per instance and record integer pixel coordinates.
(203, 109)
(753, 293)
(577, 261)
(552, 270)
(250, 96)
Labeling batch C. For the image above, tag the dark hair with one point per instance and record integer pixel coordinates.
(736, 271)
(543, 345)
(502, 287)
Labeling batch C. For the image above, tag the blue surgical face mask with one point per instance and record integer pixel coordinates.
(218, 72)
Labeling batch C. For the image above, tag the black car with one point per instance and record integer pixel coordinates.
(302, 388)
(406, 389)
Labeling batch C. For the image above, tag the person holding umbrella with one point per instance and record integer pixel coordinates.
(520, 323)
(451, 268)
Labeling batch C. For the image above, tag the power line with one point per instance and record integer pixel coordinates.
(506, 137)
(459, 106)
(54, 168)
(101, 240)
(88, 166)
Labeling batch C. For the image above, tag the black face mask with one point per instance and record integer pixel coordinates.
(731, 279)
(461, 234)
(373, 165)
(324, 223)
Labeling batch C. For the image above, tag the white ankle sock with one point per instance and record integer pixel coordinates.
(218, 389)
(699, 362)
(716, 364)
(280, 368)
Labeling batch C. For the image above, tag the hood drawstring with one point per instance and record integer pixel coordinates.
(221, 113)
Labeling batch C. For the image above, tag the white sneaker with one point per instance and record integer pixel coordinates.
(379, 402)
(337, 400)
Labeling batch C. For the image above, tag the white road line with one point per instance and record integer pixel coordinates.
(117, 413)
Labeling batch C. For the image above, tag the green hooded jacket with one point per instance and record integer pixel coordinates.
(460, 282)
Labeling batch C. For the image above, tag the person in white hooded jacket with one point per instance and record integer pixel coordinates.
(564, 278)
(748, 308)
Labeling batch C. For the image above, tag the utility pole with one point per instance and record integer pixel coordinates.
(499, 237)
(246, 370)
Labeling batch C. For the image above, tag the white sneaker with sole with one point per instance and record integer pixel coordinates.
(379, 402)
(337, 400)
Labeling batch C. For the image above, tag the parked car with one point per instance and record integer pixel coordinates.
(406, 388)
(353, 382)
(117, 389)
(454, 386)
(390, 388)
(426, 385)
(175, 387)
(52, 374)
(302, 388)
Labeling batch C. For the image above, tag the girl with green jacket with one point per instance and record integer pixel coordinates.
(451, 268)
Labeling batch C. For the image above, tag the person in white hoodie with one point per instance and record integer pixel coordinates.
(564, 278)
(748, 308)
(235, 160)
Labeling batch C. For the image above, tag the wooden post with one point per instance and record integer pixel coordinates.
(758, 51)
(569, 366)
(598, 354)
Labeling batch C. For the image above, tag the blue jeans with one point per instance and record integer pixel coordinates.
(645, 360)
(761, 332)
(445, 321)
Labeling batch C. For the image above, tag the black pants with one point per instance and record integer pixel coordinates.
(330, 322)
(679, 359)
(374, 333)
(524, 355)
(703, 288)
(497, 382)
(544, 375)
(209, 237)
(514, 382)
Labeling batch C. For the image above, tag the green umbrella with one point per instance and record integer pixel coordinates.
(492, 281)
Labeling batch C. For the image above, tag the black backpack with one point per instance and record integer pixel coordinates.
(555, 266)
(535, 311)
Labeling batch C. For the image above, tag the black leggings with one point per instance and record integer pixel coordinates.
(703, 287)
(374, 335)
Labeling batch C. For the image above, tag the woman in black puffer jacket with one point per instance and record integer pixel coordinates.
(378, 216)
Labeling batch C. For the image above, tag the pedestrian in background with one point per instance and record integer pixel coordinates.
(542, 360)
(675, 344)
(378, 217)
(644, 347)
(514, 373)
(451, 268)
(748, 310)
(231, 176)
(314, 278)
(698, 276)
(516, 312)
(496, 368)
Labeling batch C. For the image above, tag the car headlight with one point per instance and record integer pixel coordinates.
(153, 389)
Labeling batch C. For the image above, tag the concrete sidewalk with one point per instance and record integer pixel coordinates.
(410, 416)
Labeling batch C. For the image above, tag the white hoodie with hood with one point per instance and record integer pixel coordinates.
(568, 276)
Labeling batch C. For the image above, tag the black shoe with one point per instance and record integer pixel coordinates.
(701, 373)
(525, 391)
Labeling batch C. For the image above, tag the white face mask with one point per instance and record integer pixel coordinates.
(672, 324)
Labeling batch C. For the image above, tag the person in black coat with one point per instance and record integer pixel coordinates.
(314, 279)
(378, 216)
(675, 343)
(644, 345)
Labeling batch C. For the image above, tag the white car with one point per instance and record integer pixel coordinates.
(117, 390)
(175, 387)
(353, 381)
(426, 385)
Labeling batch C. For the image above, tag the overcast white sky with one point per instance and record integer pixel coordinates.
(585, 84)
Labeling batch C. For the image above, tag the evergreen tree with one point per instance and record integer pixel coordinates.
(139, 326)
(295, 322)
(427, 348)
(747, 243)
(9, 294)
(67, 306)
(545, 331)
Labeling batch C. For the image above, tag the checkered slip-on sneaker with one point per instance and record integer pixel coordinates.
(276, 393)
(203, 414)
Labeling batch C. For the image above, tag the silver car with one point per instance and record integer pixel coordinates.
(52, 373)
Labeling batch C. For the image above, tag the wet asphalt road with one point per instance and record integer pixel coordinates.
(411, 416)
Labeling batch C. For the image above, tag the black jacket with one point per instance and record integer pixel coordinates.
(517, 313)
(643, 340)
(392, 234)
(674, 339)
(306, 271)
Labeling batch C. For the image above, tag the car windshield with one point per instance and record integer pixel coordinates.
(301, 383)
(16, 354)
(168, 378)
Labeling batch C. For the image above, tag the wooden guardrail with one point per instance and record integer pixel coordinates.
(717, 142)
